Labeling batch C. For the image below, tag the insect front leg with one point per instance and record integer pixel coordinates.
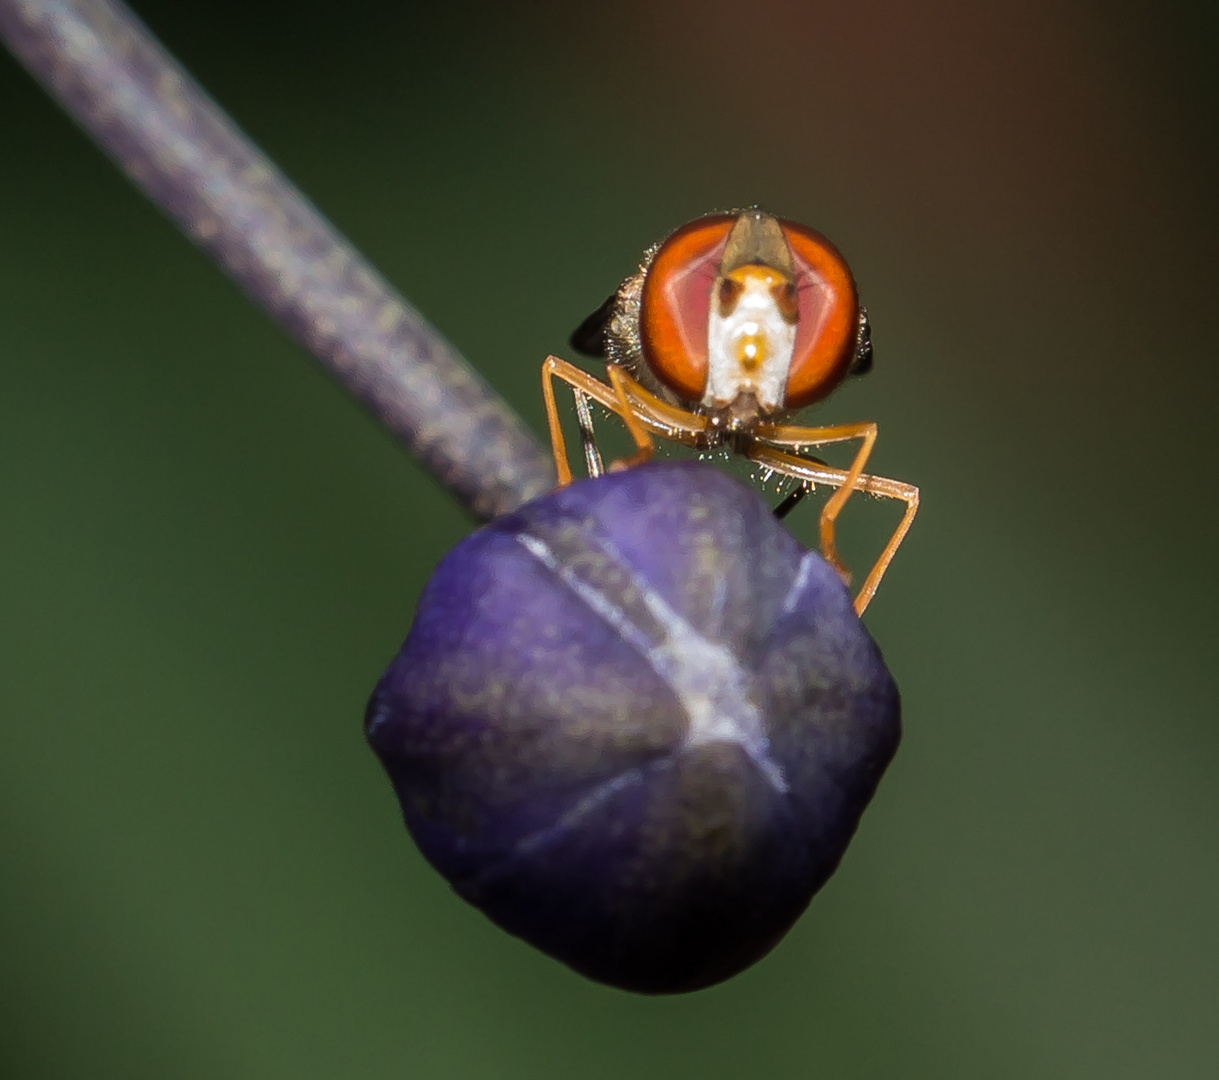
(810, 472)
(555, 368)
(795, 437)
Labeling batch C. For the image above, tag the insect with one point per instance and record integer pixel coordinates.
(731, 325)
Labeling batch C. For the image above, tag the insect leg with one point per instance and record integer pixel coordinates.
(784, 435)
(640, 410)
(555, 368)
(793, 500)
(881, 486)
(796, 497)
(588, 437)
(643, 438)
(643, 412)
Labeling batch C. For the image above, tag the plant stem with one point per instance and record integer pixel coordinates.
(108, 72)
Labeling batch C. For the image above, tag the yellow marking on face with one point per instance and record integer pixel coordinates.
(752, 351)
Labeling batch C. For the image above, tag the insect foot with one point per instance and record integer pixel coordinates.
(636, 724)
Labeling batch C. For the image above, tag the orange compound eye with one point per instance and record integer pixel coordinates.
(828, 317)
(676, 304)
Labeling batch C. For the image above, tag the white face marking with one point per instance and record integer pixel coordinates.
(750, 349)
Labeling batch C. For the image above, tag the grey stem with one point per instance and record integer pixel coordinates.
(105, 68)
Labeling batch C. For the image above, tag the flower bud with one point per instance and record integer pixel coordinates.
(636, 724)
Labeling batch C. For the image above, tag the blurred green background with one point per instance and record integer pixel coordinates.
(207, 553)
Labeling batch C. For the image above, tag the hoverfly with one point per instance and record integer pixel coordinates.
(731, 325)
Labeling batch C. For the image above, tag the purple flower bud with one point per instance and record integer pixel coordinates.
(636, 723)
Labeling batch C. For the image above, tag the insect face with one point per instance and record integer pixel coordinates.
(742, 307)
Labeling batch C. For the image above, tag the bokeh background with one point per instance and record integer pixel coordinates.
(207, 553)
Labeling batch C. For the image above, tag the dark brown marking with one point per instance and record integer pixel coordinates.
(727, 293)
(787, 299)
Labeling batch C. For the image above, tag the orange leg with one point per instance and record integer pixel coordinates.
(784, 435)
(554, 368)
(558, 445)
(643, 413)
(668, 421)
(643, 439)
(802, 469)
